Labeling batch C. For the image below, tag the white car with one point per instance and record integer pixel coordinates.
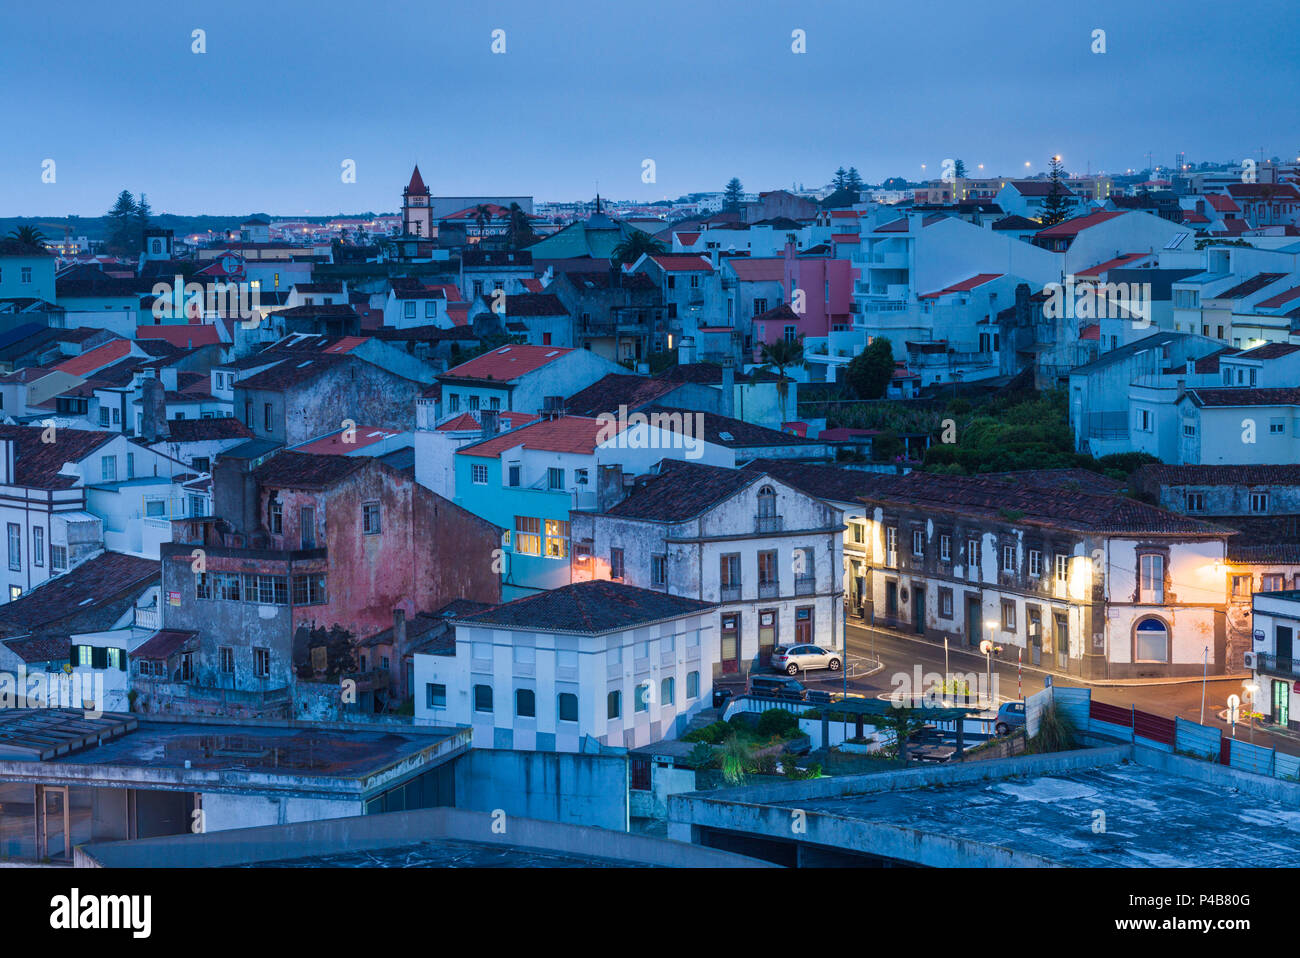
(793, 659)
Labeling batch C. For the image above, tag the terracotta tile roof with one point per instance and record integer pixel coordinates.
(1035, 187)
(682, 491)
(1252, 285)
(1117, 263)
(204, 430)
(590, 608)
(1281, 299)
(761, 270)
(1222, 203)
(1191, 216)
(617, 389)
(778, 314)
(506, 363)
(1030, 503)
(571, 434)
(710, 374)
(688, 238)
(534, 304)
(91, 596)
(965, 286)
(733, 433)
(1268, 351)
(165, 643)
(831, 483)
(682, 262)
(303, 470)
(899, 225)
(293, 371)
(1263, 191)
(1242, 396)
(1016, 222)
(417, 182)
(1075, 226)
(1271, 540)
(97, 358)
(37, 463)
(1160, 474)
(333, 444)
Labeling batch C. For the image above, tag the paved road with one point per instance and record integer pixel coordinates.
(900, 657)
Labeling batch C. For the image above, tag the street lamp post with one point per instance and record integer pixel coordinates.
(987, 648)
(1204, 675)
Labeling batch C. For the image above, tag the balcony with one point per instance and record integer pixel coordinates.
(1270, 664)
(148, 619)
(768, 523)
(769, 590)
(805, 584)
(730, 593)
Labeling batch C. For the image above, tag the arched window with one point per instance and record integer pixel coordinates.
(1151, 641)
(157, 247)
(767, 501)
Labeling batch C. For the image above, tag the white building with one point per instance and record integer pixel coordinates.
(1273, 663)
(591, 661)
(769, 555)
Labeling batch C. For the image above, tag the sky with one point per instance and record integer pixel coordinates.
(585, 92)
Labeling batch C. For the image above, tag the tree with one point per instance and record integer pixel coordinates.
(519, 230)
(870, 371)
(904, 722)
(482, 217)
(778, 357)
(1057, 205)
(853, 181)
(959, 170)
(120, 223)
(894, 183)
(28, 236)
(141, 218)
(634, 246)
(732, 195)
(839, 179)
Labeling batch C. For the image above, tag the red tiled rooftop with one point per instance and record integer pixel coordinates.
(192, 334)
(507, 363)
(682, 262)
(97, 358)
(1117, 263)
(570, 434)
(334, 444)
(965, 286)
(1077, 225)
(1281, 299)
(764, 269)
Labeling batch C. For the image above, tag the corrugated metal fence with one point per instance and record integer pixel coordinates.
(1159, 732)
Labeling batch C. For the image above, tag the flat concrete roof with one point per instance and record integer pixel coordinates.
(1105, 807)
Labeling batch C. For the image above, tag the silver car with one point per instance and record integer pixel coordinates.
(792, 659)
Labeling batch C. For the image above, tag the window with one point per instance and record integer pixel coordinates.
(266, 416)
(767, 573)
(729, 574)
(554, 478)
(108, 468)
(616, 563)
(1273, 582)
(973, 554)
(1259, 502)
(945, 548)
(435, 695)
(15, 547)
(1195, 502)
(692, 685)
(262, 663)
(1035, 563)
(201, 463)
(614, 704)
(227, 659)
(38, 546)
(1008, 615)
(408, 310)
(760, 306)
(641, 697)
(453, 402)
(1276, 427)
(473, 402)
(370, 518)
(1144, 420)
(945, 603)
(567, 707)
(1151, 641)
(494, 402)
(58, 558)
(307, 524)
(528, 535)
(918, 543)
(666, 691)
(1008, 558)
(557, 539)
(276, 518)
(482, 698)
(202, 586)
(103, 417)
(478, 474)
(525, 703)
(659, 570)
(1151, 584)
(309, 589)
(1062, 569)
(512, 473)
(430, 309)
(891, 546)
(1241, 585)
(26, 274)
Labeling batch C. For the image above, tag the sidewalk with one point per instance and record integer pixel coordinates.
(1100, 683)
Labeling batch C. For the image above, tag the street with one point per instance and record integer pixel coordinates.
(900, 657)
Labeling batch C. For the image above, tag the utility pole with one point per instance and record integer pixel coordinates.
(1204, 675)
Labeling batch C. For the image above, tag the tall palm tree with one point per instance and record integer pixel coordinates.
(482, 216)
(779, 356)
(519, 232)
(28, 235)
(635, 245)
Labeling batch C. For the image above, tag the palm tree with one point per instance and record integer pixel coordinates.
(635, 245)
(779, 356)
(519, 232)
(28, 236)
(482, 216)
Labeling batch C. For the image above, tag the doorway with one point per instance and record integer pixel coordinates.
(803, 625)
(1035, 636)
(53, 823)
(1282, 702)
(766, 635)
(1062, 641)
(730, 651)
(973, 630)
(918, 610)
(1284, 636)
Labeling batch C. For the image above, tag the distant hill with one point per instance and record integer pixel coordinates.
(96, 227)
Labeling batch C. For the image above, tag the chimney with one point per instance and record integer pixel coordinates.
(686, 351)
(6, 461)
(153, 417)
(399, 632)
(552, 407)
(488, 424)
(728, 385)
(1023, 318)
(234, 494)
(610, 487)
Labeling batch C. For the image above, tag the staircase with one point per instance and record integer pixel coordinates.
(702, 718)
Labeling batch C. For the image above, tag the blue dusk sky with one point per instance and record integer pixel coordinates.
(586, 91)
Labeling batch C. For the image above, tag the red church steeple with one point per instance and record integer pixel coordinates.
(416, 185)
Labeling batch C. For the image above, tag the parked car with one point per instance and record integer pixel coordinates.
(777, 686)
(791, 659)
(1011, 715)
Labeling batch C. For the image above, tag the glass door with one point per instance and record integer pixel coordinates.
(731, 643)
(1281, 702)
(766, 635)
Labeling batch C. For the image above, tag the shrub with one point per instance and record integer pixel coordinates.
(777, 722)
(712, 734)
(1055, 731)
